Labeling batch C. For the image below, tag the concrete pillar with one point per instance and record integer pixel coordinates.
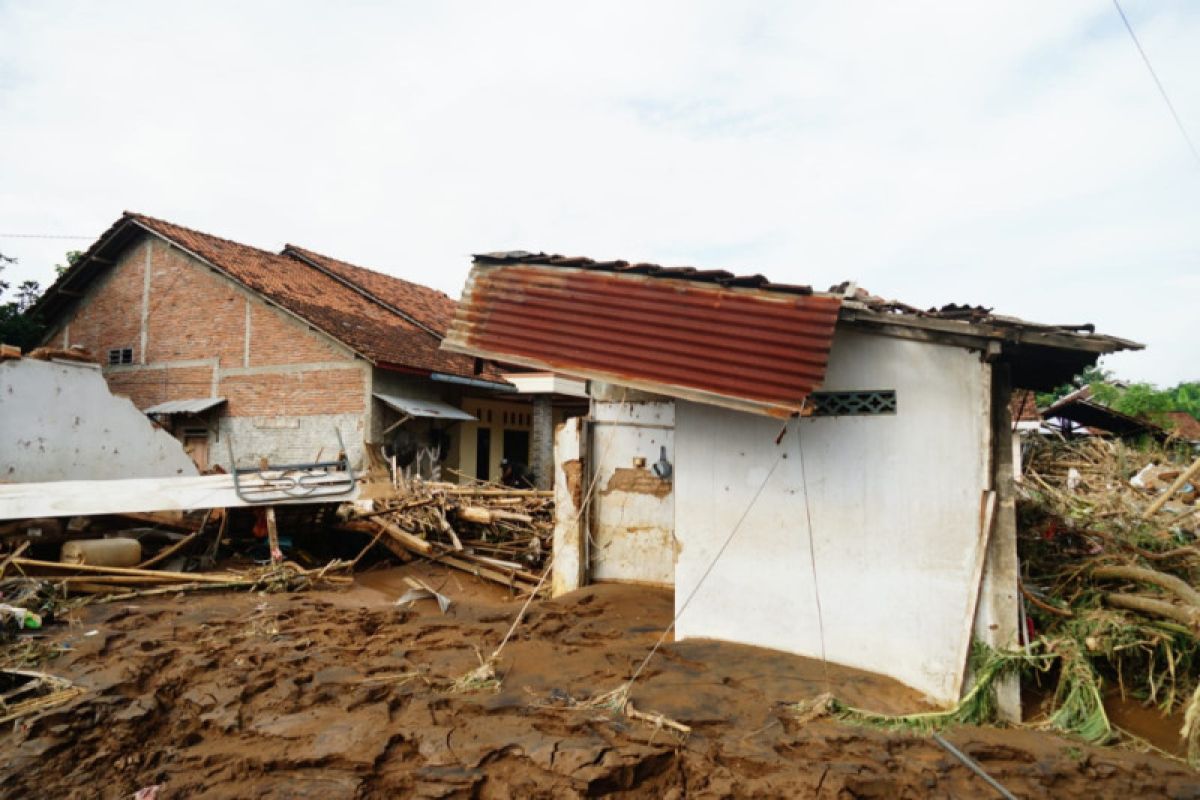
(570, 521)
(996, 621)
(541, 441)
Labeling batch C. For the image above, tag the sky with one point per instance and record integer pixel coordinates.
(1015, 155)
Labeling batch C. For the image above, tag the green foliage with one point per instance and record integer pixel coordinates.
(16, 326)
(1089, 377)
(1148, 401)
(72, 257)
(1144, 400)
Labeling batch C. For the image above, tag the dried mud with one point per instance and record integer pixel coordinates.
(342, 695)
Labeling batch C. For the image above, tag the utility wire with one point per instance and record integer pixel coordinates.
(41, 236)
(1161, 90)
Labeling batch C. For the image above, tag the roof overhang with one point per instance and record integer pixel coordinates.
(193, 406)
(423, 407)
(546, 383)
(1042, 357)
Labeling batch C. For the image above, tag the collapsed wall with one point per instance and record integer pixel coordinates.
(59, 421)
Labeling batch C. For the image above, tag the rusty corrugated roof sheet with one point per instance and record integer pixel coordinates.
(710, 336)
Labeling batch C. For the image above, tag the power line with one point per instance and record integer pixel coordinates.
(41, 236)
(1161, 90)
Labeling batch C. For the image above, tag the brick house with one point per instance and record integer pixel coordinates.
(276, 353)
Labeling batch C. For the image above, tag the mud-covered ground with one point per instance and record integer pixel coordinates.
(343, 695)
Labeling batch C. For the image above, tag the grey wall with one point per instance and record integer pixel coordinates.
(58, 421)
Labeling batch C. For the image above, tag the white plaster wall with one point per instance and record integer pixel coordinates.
(58, 421)
(894, 503)
(288, 440)
(632, 534)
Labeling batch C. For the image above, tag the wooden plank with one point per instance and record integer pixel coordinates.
(135, 495)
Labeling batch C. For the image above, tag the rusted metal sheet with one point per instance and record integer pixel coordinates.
(671, 332)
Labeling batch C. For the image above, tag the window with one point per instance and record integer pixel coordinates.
(120, 355)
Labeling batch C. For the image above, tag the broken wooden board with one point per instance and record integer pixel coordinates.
(140, 495)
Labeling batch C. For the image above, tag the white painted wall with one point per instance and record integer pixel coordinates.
(894, 502)
(632, 535)
(58, 421)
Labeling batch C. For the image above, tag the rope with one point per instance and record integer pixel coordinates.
(708, 571)
(812, 552)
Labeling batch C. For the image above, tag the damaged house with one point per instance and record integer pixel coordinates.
(276, 355)
(826, 474)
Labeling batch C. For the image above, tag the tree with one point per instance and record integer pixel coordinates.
(72, 257)
(16, 326)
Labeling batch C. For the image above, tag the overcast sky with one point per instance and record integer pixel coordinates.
(1015, 155)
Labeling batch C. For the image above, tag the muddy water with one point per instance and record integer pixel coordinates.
(1160, 730)
(343, 695)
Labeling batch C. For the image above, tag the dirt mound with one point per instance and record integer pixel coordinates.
(336, 695)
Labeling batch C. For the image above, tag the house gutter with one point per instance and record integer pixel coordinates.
(474, 383)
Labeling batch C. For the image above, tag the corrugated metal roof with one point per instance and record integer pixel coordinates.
(709, 336)
(423, 407)
(192, 406)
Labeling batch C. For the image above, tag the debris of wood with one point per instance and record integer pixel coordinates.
(9, 351)
(501, 534)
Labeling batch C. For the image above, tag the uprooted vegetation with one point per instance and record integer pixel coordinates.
(1109, 558)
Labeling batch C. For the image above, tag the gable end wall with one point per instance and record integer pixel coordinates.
(196, 333)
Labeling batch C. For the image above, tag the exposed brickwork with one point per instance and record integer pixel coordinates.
(111, 317)
(194, 313)
(305, 393)
(148, 387)
(276, 339)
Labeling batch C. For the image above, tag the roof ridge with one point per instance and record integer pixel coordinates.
(139, 217)
(310, 251)
(306, 257)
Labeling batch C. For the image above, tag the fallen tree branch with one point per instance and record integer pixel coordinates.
(1176, 586)
(1184, 615)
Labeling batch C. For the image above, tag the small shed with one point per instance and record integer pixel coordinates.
(824, 473)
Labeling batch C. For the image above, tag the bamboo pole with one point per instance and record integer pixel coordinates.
(198, 577)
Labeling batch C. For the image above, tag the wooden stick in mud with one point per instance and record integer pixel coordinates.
(273, 536)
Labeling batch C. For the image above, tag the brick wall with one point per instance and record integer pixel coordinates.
(193, 313)
(276, 338)
(300, 393)
(110, 316)
(148, 386)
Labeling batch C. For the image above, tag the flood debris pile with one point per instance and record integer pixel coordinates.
(495, 532)
(1107, 541)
